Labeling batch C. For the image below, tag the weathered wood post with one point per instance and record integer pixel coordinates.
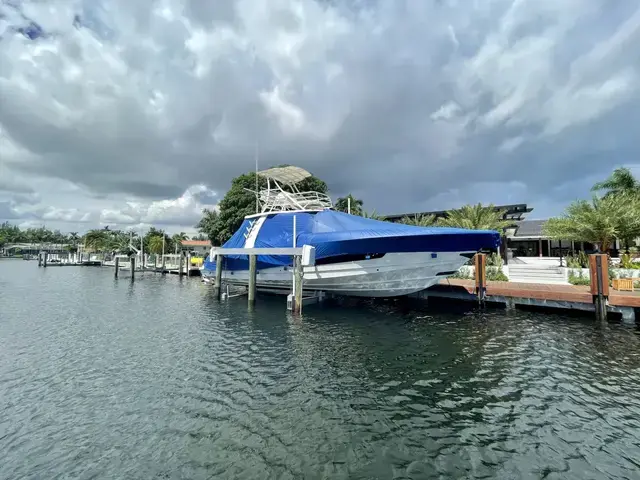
(599, 273)
(218, 285)
(253, 273)
(133, 268)
(117, 267)
(481, 276)
(40, 259)
(164, 260)
(297, 292)
(189, 264)
(155, 263)
(180, 266)
(45, 255)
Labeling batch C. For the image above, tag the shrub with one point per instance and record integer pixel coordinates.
(494, 260)
(462, 274)
(578, 260)
(579, 279)
(626, 261)
(495, 274)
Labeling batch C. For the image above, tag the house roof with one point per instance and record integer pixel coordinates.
(196, 243)
(512, 212)
(529, 229)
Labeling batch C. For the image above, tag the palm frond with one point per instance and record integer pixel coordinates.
(419, 220)
(600, 221)
(476, 217)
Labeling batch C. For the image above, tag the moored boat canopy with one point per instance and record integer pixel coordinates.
(289, 175)
(335, 234)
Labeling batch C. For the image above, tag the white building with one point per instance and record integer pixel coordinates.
(198, 248)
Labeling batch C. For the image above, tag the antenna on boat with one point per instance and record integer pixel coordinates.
(257, 193)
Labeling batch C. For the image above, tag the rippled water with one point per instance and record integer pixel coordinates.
(101, 378)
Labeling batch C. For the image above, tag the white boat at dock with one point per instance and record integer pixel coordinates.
(354, 256)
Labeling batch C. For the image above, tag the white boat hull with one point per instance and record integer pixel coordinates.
(394, 274)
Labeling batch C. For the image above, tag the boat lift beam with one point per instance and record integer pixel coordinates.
(302, 256)
(255, 251)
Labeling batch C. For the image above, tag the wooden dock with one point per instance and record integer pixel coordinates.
(513, 294)
(45, 259)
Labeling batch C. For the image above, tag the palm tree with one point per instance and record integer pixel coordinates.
(342, 205)
(476, 217)
(96, 239)
(420, 220)
(73, 239)
(600, 221)
(177, 240)
(620, 181)
(155, 244)
(120, 242)
(372, 215)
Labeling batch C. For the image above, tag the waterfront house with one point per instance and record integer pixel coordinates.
(199, 248)
(524, 238)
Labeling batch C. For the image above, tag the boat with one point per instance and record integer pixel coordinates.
(354, 255)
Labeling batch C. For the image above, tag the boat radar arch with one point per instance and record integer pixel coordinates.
(276, 199)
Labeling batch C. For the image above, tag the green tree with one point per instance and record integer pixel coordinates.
(178, 238)
(155, 244)
(96, 239)
(239, 202)
(208, 225)
(419, 220)
(600, 221)
(621, 181)
(476, 217)
(152, 233)
(342, 205)
(73, 239)
(372, 215)
(120, 242)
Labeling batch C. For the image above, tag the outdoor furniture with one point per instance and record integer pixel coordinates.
(623, 284)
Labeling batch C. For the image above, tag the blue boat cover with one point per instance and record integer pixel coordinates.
(335, 233)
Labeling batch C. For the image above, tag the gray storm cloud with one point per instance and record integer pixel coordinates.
(409, 105)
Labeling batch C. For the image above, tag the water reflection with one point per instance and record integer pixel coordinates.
(156, 378)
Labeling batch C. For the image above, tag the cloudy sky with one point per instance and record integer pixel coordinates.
(140, 112)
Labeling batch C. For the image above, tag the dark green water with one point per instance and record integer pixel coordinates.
(156, 380)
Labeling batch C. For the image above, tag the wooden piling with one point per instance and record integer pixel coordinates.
(599, 273)
(218, 285)
(298, 279)
(181, 266)
(253, 273)
(188, 264)
(481, 276)
(117, 267)
(45, 255)
(133, 268)
(40, 259)
(164, 260)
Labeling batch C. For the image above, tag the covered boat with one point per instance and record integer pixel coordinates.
(354, 255)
